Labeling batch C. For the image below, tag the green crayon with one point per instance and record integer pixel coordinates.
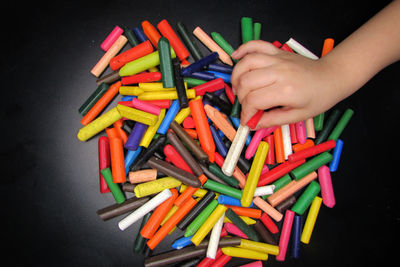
(167, 71)
(114, 188)
(223, 189)
(311, 165)
(306, 198)
(201, 218)
(344, 120)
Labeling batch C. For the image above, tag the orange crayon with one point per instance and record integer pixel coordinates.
(242, 211)
(151, 32)
(189, 191)
(202, 127)
(278, 141)
(117, 160)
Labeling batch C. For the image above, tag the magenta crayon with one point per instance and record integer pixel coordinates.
(301, 132)
(285, 235)
(256, 139)
(325, 181)
(145, 106)
(111, 38)
(234, 230)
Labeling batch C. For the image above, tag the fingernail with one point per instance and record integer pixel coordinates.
(234, 53)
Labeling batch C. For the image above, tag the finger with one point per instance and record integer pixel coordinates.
(256, 46)
(279, 116)
(249, 63)
(261, 99)
(254, 80)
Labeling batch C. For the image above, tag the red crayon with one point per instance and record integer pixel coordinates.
(104, 161)
(270, 159)
(135, 52)
(252, 123)
(229, 93)
(176, 158)
(145, 77)
(162, 103)
(312, 151)
(166, 30)
(278, 172)
(211, 86)
(293, 135)
(207, 261)
(267, 221)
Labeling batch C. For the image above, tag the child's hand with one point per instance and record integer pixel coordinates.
(291, 87)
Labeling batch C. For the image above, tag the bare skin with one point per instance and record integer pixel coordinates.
(294, 88)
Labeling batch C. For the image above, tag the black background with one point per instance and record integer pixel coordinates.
(49, 179)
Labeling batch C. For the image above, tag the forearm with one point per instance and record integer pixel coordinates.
(364, 53)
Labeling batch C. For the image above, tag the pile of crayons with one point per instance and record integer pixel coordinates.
(175, 141)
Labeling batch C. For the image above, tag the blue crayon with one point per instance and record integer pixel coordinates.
(140, 34)
(203, 75)
(220, 68)
(236, 123)
(296, 234)
(200, 64)
(227, 200)
(224, 76)
(219, 92)
(130, 157)
(219, 144)
(128, 97)
(182, 242)
(333, 166)
(171, 113)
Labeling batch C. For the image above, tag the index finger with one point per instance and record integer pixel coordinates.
(255, 46)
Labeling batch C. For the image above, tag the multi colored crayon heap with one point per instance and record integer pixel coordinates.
(175, 143)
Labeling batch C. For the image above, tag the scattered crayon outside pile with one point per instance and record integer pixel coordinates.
(175, 142)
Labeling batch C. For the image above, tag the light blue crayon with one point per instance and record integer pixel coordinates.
(171, 113)
(130, 157)
(226, 77)
(182, 242)
(227, 200)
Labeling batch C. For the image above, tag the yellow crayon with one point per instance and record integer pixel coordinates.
(259, 246)
(310, 221)
(182, 114)
(137, 115)
(99, 124)
(198, 193)
(156, 86)
(156, 186)
(208, 224)
(166, 94)
(247, 220)
(151, 130)
(254, 174)
(130, 90)
(153, 69)
(244, 253)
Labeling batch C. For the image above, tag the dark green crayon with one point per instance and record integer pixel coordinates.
(281, 182)
(166, 68)
(215, 169)
(329, 124)
(344, 120)
(140, 241)
(319, 122)
(247, 230)
(306, 198)
(189, 41)
(133, 41)
(93, 98)
(236, 108)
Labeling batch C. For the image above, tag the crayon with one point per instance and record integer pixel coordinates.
(248, 231)
(299, 147)
(222, 43)
(108, 78)
(207, 261)
(114, 188)
(137, 115)
(143, 210)
(325, 181)
(101, 103)
(219, 144)
(151, 32)
(210, 86)
(227, 200)
(247, 220)
(264, 190)
(296, 233)
(118, 209)
(140, 242)
(162, 103)
(312, 151)
(166, 68)
(151, 130)
(200, 219)
(221, 260)
(154, 146)
(329, 123)
(174, 256)
(214, 238)
(182, 242)
(156, 186)
(142, 176)
(117, 160)
(99, 124)
(104, 161)
(256, 139)
(253, 264)
(199, 65)
(168, 169)
(244, 253)
(166, 30)
(140, 34)
(130, 90)
(145, 106)
(270, 159)
(93, 98)
(208, 224)
(223, 189)
(171, 223)
(165, 94)
(224, 106)
(341, 124)
(286, 204)
(278, 141)
(212, 46)
(306, 198)
(169, 117)
(310, 220)
(218, 172)
(267, 208)
(310, 130)
(111, 38)
(180, 85)
(300, 49)
(189, 41)
(265, 235)
(141, 64)
(234, 230)
(235, 150)
(311, 165)
(285, 235)
(271, 226)
(242, 211)
(131, 54)
(130, 157)
(259, 246)
(220, 68)
(102, 64)
(255, 171)
(158, 215)
(145, 77)
(136, 136)
(176, 159)
(287, 143)
(246, 24)
(130, 36)
(202, 128)
(256, 30)
(220, 121)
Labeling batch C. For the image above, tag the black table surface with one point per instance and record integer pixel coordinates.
(49, 184)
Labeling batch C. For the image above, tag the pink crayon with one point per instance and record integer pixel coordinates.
(234, 230)
(145, 106)
(255, 140)
(301, 132)
(325, 181)
(285, 235)
(111, 38)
